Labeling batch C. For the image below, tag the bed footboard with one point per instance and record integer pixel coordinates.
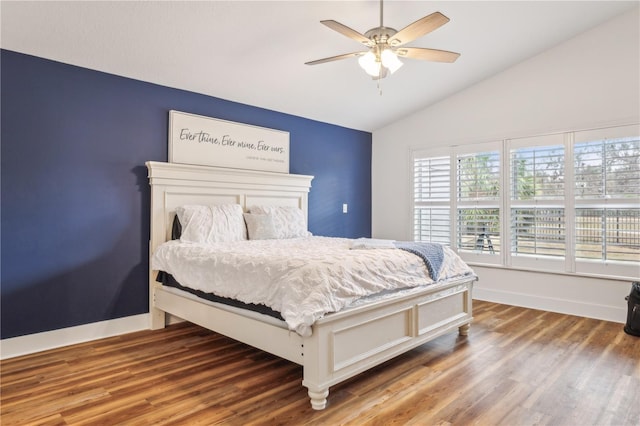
(350, 342)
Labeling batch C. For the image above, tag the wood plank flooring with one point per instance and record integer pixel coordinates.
(517, 367)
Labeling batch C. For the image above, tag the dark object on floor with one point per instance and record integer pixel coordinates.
(633, 315)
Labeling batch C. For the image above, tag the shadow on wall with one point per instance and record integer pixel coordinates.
(113, 284)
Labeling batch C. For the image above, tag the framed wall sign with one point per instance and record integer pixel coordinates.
(194, 139)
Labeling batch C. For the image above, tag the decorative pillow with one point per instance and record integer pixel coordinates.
(176, 228)
(260, 226)
(210, 224)
(289, 222)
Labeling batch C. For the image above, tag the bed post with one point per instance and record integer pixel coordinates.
(463, 330)
(315, 368)
(157, 236)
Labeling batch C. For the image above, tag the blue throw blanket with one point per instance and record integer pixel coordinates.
(431, 253)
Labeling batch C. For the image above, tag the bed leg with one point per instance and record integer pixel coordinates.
(463, 330)
(319, 399)
(156, 319)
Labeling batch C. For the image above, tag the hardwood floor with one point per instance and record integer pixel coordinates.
(517, 367)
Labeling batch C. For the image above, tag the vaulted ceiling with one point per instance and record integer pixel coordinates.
(254, 52)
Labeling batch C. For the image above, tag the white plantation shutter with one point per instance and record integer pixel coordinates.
(432, 179)
(608, 234)
(478, 229)
(479, 176)
(538, 231)
(537, 172)
(537, 201)
(607, 198)
(607, 169)
(566, 202)
(478, 201)
(432, 195)
(432, 225)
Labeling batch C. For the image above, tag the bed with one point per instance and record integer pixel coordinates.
(340, 344)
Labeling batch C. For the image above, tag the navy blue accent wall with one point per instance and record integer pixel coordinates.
(75, 196)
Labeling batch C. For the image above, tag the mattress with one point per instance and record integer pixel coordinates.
(303, 279)
(169, 281)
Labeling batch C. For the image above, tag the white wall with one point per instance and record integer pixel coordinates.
(589, 81)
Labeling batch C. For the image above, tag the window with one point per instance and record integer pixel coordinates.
(478, 203)
(608, 234)
(431, 193)
(607, 198)
(571, 201)
(537, 202)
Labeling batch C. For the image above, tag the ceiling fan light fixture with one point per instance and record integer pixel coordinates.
(390, 60)
(385, 43)
(370, 64)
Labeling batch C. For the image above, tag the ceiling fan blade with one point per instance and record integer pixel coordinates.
(419, 28)
(334, 58)
(346, 31)
(434, 55)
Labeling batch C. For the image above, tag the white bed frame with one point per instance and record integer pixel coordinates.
(342, 344)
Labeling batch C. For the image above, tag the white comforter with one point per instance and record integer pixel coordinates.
(302, 278)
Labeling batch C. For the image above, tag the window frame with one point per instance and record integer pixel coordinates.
(536, 261)
(600, 266)
(469, 256)
(567, 264)
(428, 154)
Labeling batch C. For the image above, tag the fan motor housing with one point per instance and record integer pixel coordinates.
(380, 35)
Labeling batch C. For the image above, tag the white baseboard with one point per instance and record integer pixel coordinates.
(32, 343)
(570, 307)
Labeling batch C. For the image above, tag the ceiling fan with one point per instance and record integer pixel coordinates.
(385, 45)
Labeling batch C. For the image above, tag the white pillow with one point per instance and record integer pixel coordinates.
(260, 226)
(289, 222)
(210, 224)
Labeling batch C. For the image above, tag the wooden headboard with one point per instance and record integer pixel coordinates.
(173, 185)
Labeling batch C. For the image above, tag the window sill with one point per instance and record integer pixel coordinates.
(547, 272)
